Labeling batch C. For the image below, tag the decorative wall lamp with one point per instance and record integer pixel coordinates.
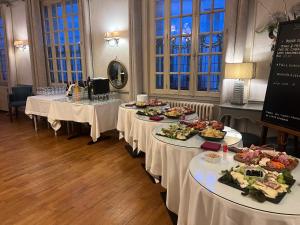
(21, 44)
(239, 72)
(112, 38)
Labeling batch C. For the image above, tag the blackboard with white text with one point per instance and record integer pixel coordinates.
(282, 100)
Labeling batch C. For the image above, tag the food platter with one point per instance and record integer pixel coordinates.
(178, 132)
(266, 158)
(150, 112)
(211, 134)
(260, 184)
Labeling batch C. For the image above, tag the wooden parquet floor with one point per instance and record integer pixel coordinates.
(51, 180)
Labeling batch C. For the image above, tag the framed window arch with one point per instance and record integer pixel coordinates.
(188, 36)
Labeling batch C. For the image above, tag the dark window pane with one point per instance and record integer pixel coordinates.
(69, 22)
(59, 9)
(54, 10)
(184, 82)
(159, 64)
(174, 81)
(185, 64)
(68, 7)
(61, 23)
(72, 51)
(63, 51)
(75, 6)
(60, 77)
(64, 64)
(49, 52)
(76, 22)
(203, 63)
(77, 36)
(78, 54)
(175, 7)
(79, 76)
(186, 43)
(218, 23)
(47, 28)
(159, 27)
(52, 77)
(73, 64)
(50, 65)
(204, 42)
(214, 82)
(159, 12)
(71, 39)
(219, 4)
(58, 64)
(187, 26)
(174, 45)
(61, 38)
(216, 63)
(56, 38)
(174, 64)
(175, 26)
(78, 64)
(217, 42)
(187, 6)
(159, 81)
(159, 46)
(46, 12)
(73, 76)
(205, 5)
(55, 25)
(57, 52)
(65, 77)
(202, 83)
(48, 40)
(204, 23)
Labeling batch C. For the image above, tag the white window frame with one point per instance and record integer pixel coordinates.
(68, 57)
(192, 92)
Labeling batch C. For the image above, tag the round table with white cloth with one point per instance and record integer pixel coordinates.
(204, 200)
(126, 116)
(142, 127)
(169, 158)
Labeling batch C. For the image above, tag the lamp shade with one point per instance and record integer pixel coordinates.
(239, 70)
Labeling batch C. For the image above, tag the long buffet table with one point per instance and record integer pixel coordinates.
(102, 116)
(206, 201)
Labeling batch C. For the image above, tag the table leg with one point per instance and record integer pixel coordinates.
(35, 123)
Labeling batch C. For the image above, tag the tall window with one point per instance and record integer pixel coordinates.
(63, 41)
(189, 46)
(3, 53)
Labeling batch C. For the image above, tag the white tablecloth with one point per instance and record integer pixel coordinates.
(102, 116)
(206, 201)
(125, 120)
(169, 159)
(39, 104)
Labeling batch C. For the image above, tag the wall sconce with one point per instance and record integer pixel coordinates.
(112, 38)
(22, 44)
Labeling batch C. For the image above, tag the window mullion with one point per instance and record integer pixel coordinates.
(167, 46)
(67, 46)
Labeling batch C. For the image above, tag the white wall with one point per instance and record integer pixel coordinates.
(22, 57)
(107, 16)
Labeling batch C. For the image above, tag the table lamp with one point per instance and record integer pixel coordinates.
(239, 72)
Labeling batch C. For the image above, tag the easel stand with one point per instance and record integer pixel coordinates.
(282, 137)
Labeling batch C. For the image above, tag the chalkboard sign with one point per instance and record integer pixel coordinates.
(282, 100)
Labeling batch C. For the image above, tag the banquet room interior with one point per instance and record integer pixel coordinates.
(157, 112)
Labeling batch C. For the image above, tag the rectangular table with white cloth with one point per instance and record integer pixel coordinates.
(101, 116)
(39, 106)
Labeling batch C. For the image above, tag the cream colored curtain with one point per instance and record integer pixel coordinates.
(36, 44)
(135, 47)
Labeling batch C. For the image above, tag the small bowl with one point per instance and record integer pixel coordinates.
(211, 157)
